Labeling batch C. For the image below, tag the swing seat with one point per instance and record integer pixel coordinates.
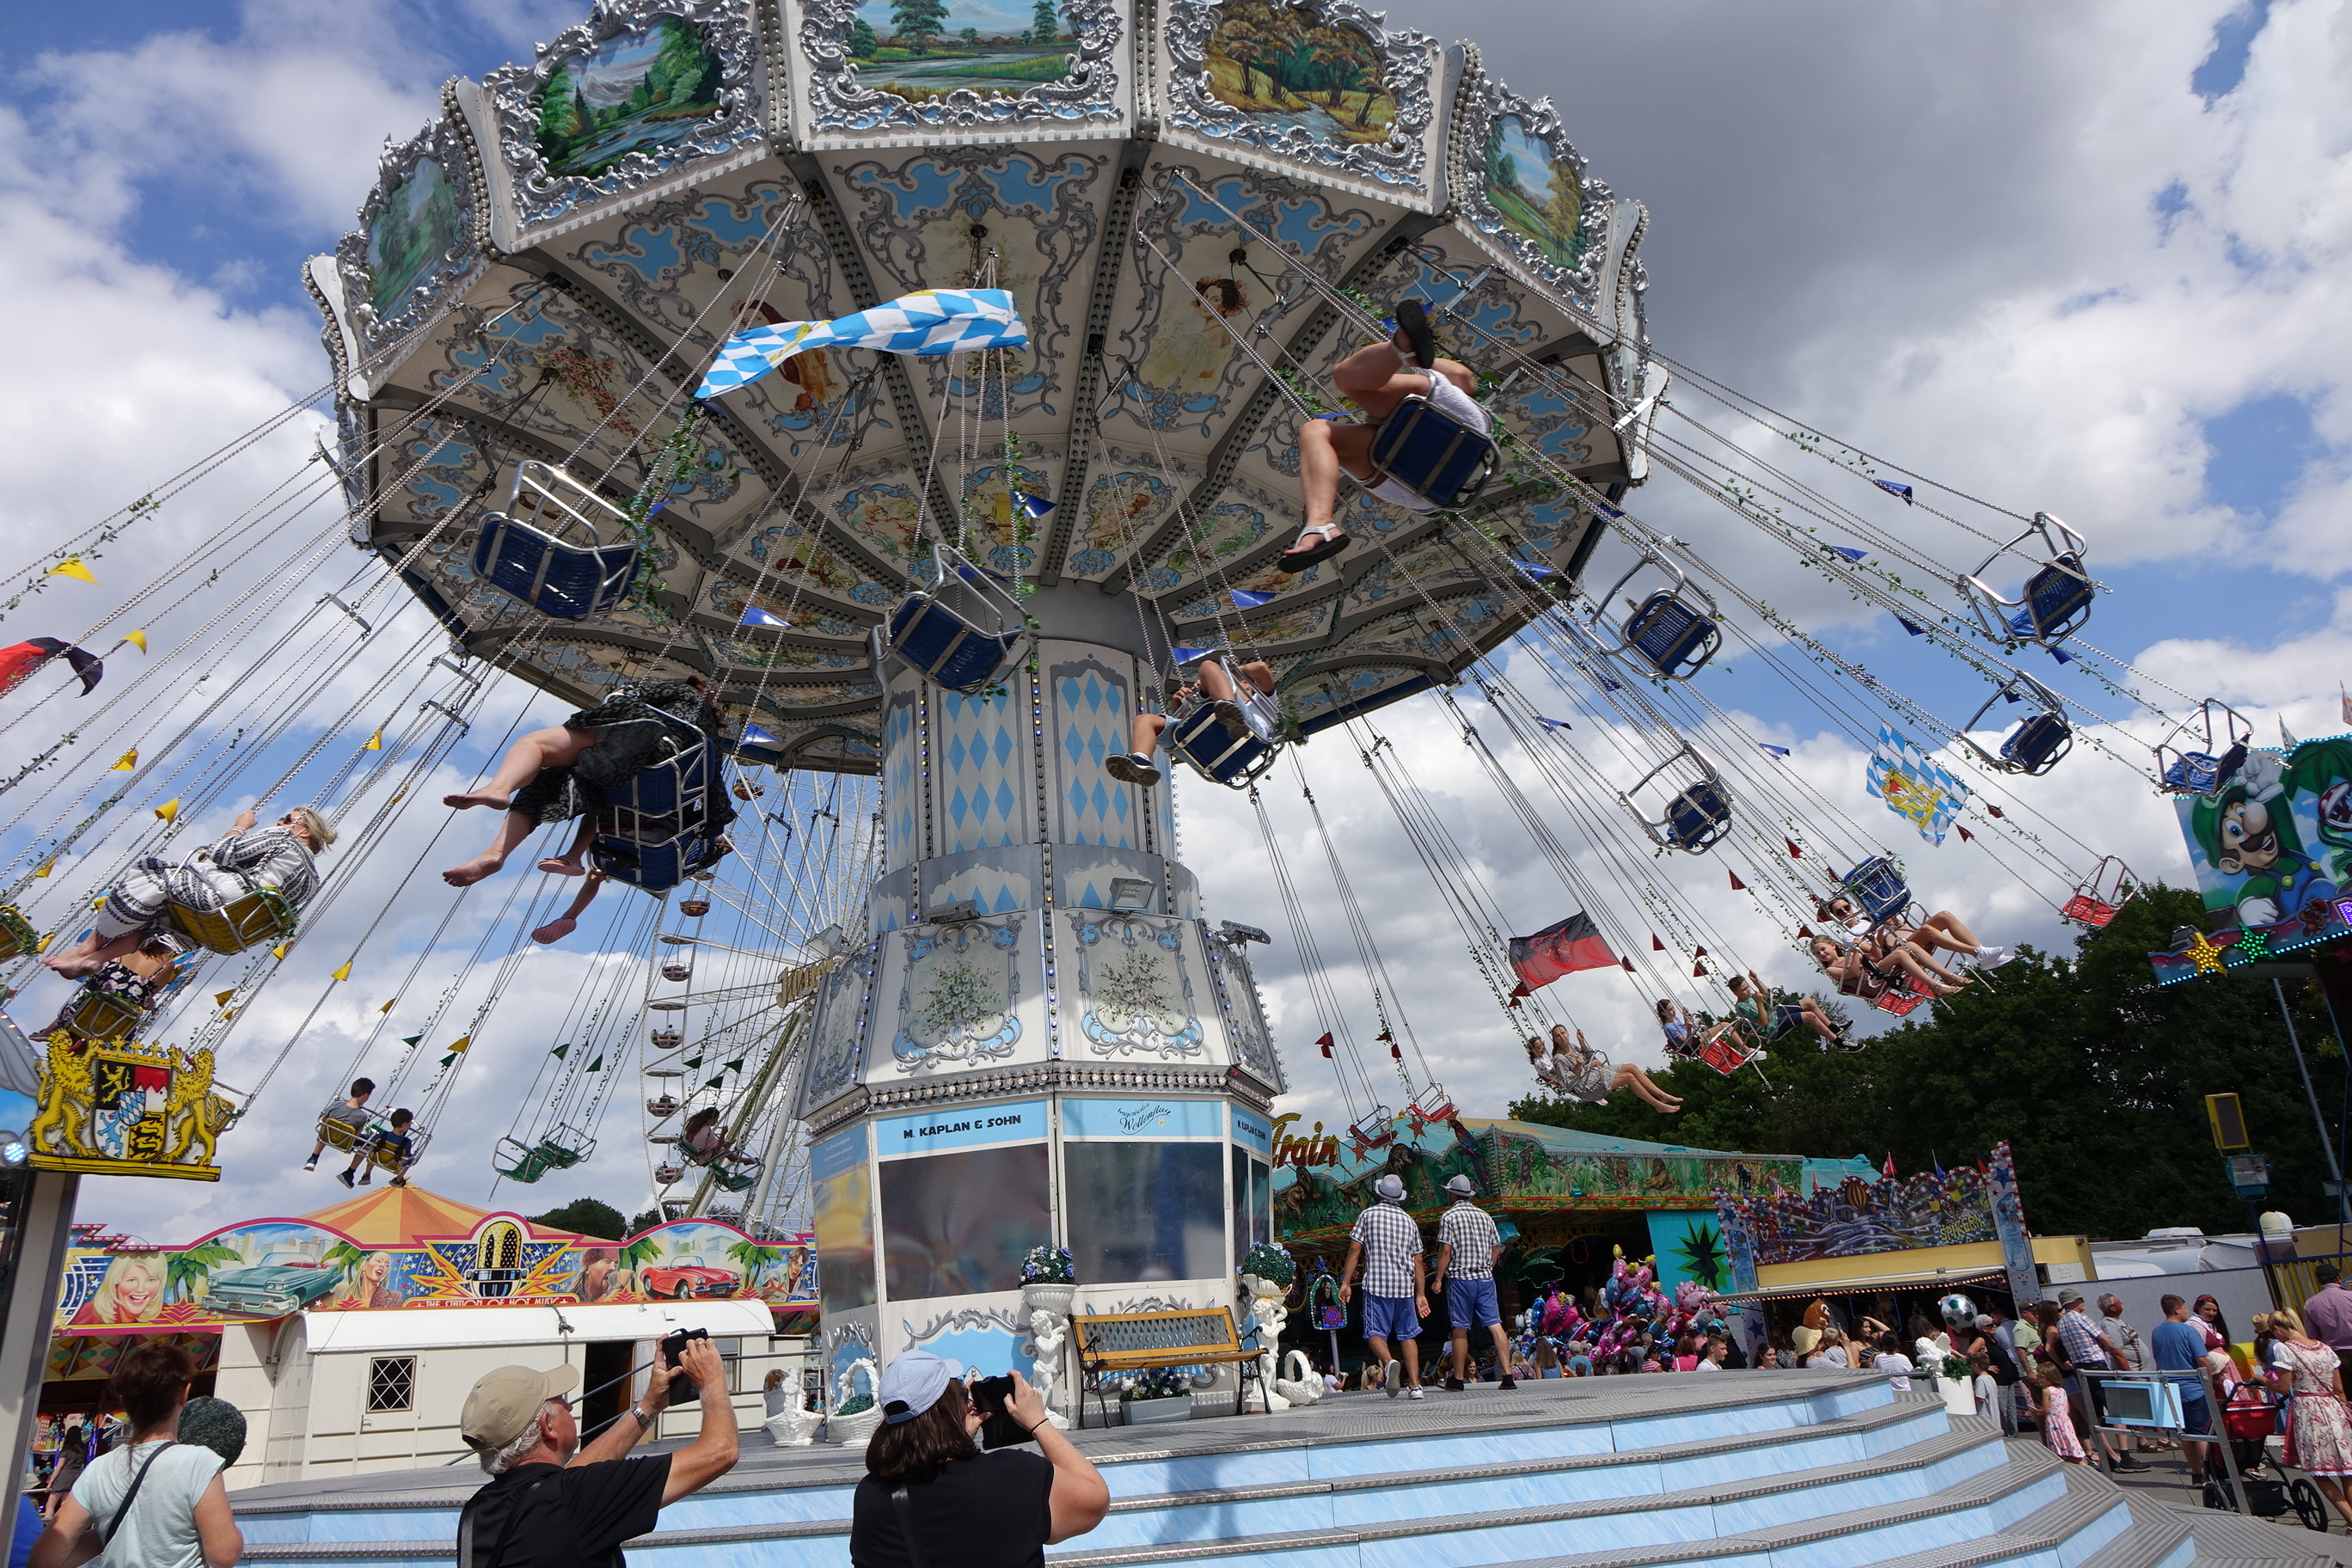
(734, 1182)
(945, 647)
(1877, 889)
(103, 1015)
(2192, 773)
(18, 936)
(1433, 1103)
(950, 647)
(260, 918)
(2034, 747)
(1899, 1003)
(559, 1149)
(1673, 638)
(2084, 910)
(1433, 454)
(655, 868)
(1726, 1054)
(1215, 753)
(665, 1175)
(2057, 601)
(563, 581)
(1374, 1129)
(670, 790)
(1698, 816)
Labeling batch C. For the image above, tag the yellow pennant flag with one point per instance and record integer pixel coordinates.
(71, 566)
(345, 972)
(47, 865)
(279, 951)
(387, 1006)
(226, 1013)
(128, 762)
(375, 743)
(459, 1049)
(220, 998)
(98, 903)
(170, 810)
(136, 639)
(398, 798)
(45, 944)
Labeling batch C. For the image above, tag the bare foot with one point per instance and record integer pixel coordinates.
(483, 865)
(564, 867)
(475, 797)
(76, 965)
(555, 930)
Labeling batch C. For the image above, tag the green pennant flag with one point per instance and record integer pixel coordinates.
(695, 1063)
(447, 1060)
(715, 1082)
(558, 1052)
(737, 1065)
(596, 1066)
(411, 1039)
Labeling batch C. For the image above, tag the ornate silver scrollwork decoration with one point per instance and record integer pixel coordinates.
(1480, 160)
(541, 159)
(961, 1319)
(1087, 93)
(1405, 58)
(416, 244)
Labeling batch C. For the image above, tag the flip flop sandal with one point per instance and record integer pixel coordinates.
(1412, 320)
(1295, 561)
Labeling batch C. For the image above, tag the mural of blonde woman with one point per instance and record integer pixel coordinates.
(373, 1288)
(1192, 354)
(132, 1292)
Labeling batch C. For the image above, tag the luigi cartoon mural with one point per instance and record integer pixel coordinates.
(2273, 846)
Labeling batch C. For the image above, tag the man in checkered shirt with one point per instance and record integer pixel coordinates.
(1468, 1246)
(1387, 1242)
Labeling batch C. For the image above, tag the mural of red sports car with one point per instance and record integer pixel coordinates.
(688, 1277)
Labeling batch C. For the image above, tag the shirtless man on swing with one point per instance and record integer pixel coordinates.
(1376, 378)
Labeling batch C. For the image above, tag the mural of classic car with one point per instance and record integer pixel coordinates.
(280, 1283)
(687, 1277)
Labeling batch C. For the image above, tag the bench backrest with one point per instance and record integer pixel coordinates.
(1122, 1335)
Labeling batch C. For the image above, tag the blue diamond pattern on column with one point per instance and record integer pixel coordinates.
(1005, 799)
(956, 807)
(1075, 744)
(955, 754)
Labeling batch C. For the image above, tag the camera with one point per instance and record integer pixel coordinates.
(682, 1390)
(993, 1397)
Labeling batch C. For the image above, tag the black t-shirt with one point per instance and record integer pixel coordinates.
(572, 1517)
(990, 1513)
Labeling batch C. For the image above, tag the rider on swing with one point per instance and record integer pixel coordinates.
(1373, 380)
(1143, 731)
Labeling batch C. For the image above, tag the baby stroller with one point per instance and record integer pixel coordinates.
(2249, 1415)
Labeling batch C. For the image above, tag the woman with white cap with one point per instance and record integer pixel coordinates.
(931, 1498)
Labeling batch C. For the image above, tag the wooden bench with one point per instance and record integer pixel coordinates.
(1113, 1342)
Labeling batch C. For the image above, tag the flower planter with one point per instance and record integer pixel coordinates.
(1959, 1399)
(1144, 1412)
(1049, 1298)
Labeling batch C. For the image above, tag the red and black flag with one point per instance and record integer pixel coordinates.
(19, 660)
(1559, 949)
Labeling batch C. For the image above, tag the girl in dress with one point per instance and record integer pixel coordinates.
(1590, 1077)
(2206, 1318)
(2056, 1422)
(2321, 1428)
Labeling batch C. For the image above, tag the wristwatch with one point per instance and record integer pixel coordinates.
(643, 1420)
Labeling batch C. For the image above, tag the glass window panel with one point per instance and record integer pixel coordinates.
(844, 1225)
(959, 1223)
(1146, 1211)
(1261, 1201)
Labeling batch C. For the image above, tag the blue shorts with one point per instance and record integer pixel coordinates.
(1470, 1303)
(1390, 1318)
(2196, 1417)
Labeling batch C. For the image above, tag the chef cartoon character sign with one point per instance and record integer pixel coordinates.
(2276, 840)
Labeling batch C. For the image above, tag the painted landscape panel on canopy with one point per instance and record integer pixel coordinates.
(634, 93)
(417, 228)
(1537, 192)
(1290, 67)
(923, 50)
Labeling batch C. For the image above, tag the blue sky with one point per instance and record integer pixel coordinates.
(2080, 260)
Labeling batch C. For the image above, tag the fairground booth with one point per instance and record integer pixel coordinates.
(350, 1336)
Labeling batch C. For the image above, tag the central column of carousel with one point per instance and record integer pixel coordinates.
(1037, 1041)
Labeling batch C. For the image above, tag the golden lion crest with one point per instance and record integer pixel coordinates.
(115, 1109)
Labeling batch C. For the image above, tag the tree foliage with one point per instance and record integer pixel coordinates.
(2095, 1075)
(915, 22)
(585, 1216)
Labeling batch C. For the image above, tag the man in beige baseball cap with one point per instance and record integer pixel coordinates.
(551, 1501)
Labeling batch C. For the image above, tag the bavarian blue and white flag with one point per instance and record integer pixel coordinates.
(1915, 788)
(932, 322)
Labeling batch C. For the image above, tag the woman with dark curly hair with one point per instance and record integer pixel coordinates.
(926, 1477)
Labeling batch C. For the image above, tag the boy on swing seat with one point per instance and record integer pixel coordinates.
(1143, 731)
(1376, 382)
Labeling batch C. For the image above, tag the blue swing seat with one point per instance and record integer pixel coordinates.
(1675, 639)
(2057, 601)
(1215, 753)
(1433, 454)
(2192, 773)
(656, 866)
(1877, 889)
(2034, 747)
(653, 831)
(1698, 816)
(676, 787)
(947, 646)
(523, 551)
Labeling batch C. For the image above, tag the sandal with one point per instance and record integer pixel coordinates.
(1297, 559)
(1412, 320)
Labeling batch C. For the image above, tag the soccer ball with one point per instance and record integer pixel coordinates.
(1956, 1309)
